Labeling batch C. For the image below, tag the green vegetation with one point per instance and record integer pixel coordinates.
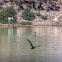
(12, 0)
(26, 23)
(27, 14)
(38, 14)
(44, 17)
(8, 12)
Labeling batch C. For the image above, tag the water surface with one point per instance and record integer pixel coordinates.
(14, 46)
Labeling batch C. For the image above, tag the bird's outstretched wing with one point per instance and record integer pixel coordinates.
(30, 43)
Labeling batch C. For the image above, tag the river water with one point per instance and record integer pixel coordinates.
(14, 46)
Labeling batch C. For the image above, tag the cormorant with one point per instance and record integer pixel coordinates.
(32, 47)
(34, 33)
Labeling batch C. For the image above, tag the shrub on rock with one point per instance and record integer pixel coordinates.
(7, 12)
(27, 14)
(44, 17)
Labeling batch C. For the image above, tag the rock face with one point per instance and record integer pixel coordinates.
(49, 21)
(38, 20)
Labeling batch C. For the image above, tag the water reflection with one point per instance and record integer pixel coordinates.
(55, 31)
(14, 47)
(10, 33)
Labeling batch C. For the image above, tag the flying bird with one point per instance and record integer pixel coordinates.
(32, 47)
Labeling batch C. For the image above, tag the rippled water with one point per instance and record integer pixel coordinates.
(14, 46)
